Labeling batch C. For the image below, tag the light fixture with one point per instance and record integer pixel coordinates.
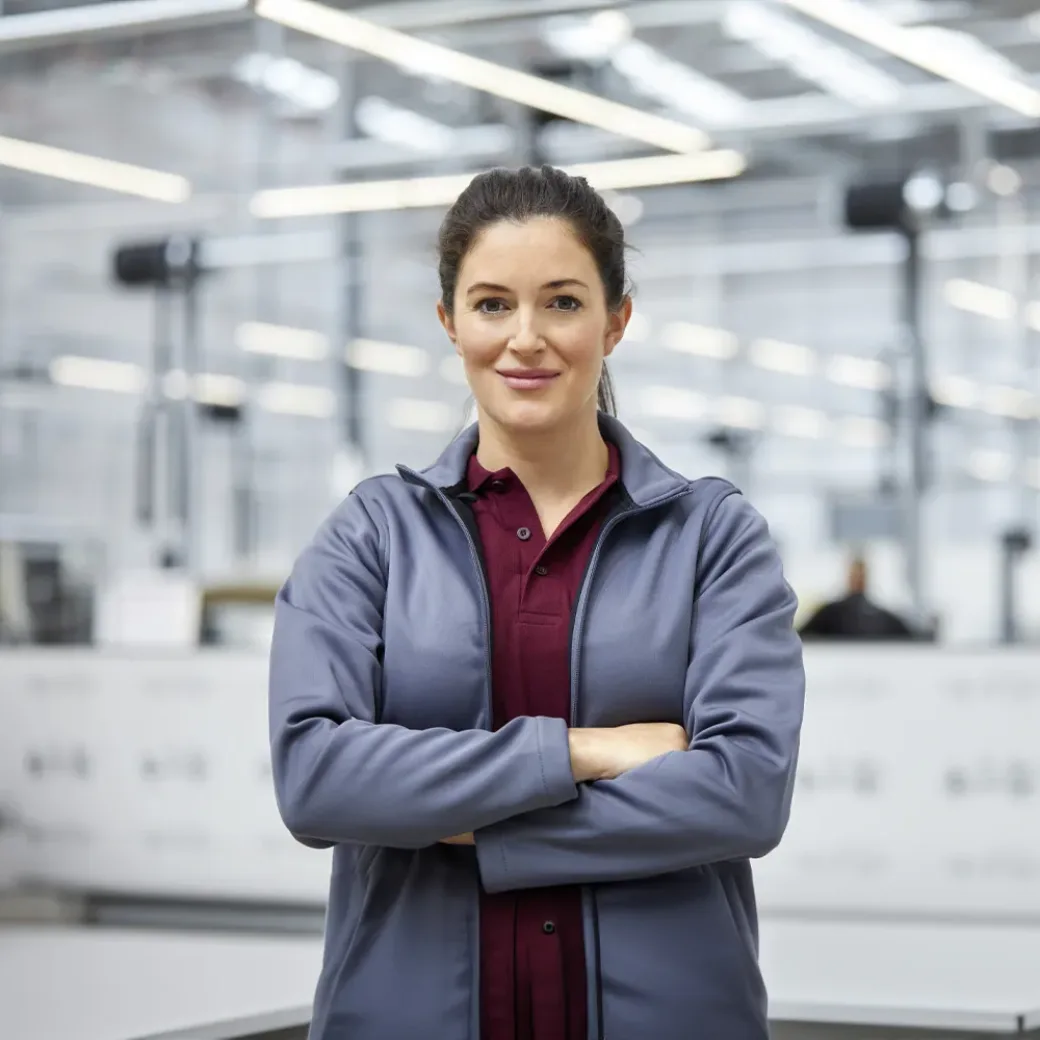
(858, 372)
(78, 168)
(989, 465)
(452, 370)
(794, 421)
(299, 88)
(810, 56)
(392, 359)
(316, 402)
(956, 391)
(700, 340)
(669, 402)
(383, 120)
(1009, 402)
(97, 374)
(777, 356)
(985, 300)
(421, 416)
(858, 431)
(428, 58)
(739, 412)
(258, 337)
(425, 192)
(638, 328)
(112, 18)
(951, 56)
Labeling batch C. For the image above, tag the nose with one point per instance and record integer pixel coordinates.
(527, 339)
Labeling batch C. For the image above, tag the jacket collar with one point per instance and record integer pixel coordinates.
(645, 478)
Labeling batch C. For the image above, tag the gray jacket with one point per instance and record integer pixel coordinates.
(380, 715)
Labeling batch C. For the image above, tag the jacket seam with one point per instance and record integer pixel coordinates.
(381, 537)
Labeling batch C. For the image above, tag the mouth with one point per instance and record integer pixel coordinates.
(531, 379)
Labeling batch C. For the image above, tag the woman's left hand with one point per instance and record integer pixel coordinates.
(459, 839)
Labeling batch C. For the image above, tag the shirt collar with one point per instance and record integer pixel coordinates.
(478, 477)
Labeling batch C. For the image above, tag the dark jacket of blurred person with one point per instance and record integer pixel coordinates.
(855, 616)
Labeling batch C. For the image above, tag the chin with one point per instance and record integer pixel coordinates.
(529, 416)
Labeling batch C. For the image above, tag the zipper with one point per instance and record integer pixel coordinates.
(577, 620)
(464, 519)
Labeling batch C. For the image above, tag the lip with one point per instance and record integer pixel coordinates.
(528, 379)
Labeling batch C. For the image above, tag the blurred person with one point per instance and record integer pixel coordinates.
(855, 615)
(543, 697)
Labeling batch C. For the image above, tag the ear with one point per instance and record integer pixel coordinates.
(617, 322)
(447, 321)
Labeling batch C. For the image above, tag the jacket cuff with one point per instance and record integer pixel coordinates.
(554, 760)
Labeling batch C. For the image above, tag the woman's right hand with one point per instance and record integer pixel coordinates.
(604, 754)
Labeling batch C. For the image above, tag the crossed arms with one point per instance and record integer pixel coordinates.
(546, 805)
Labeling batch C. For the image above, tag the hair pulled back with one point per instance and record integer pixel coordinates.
(525, 194)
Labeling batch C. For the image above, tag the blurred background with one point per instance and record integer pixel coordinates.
(217, 289)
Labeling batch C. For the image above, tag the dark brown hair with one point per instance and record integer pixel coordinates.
(524, 194)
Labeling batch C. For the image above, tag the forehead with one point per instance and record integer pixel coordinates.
(541, 248)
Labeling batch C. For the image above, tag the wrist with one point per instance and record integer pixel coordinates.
(586, 764)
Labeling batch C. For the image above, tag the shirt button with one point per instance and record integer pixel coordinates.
(541, 570)
(549, 927)
(524, 533)
(498, 485)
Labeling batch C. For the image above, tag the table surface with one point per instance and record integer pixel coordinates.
(109, 984)
(911, 975)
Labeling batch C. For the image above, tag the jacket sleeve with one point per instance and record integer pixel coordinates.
(342, 776)
(727, 797)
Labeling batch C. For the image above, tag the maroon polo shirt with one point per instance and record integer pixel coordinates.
(532, 956)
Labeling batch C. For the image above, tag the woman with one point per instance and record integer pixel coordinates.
(544, 697)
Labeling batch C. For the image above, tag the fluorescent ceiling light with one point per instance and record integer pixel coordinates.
(861, 432)
(984, 300)
(607, 36)
(740, 412)
(810, 56)
(390, 359)
(956, 392)
(990, 465)
(98, 374)
(422, 416)
(300, 88)
(432, 59)
(800, 422)
(385, 121)
(317, 402)
(790, 358)
(67, 22)
(952, 56)
(88, 169)
(858, 372)
(700, 340)
(452, 370)
(257, 337)
(669, 402)
(1011, 402)
(423, 192)
(638, 329)
(211, 388)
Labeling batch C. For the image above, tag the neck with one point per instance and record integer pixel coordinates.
(552, 463)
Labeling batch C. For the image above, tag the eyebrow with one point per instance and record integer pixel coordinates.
(559, 283)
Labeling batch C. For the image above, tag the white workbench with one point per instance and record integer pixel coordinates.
(903, 976)
(104, 984)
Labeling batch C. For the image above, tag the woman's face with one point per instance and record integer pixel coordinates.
(531, 324)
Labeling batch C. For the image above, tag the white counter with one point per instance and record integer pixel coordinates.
(104, 984)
